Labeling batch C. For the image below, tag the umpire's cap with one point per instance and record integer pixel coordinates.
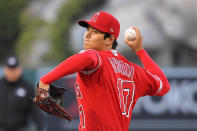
(12, 62)
(104, 22)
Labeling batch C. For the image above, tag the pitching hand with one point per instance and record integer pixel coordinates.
(136, 45)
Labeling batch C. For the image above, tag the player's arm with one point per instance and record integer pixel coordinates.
(157, 83)
(85, 60)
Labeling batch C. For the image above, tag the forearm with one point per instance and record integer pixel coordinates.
(155, 70)
(148, 63)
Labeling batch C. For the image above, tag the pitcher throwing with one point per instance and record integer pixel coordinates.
(107, 84)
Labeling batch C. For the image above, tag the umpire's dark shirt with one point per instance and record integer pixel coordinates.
(15, 107)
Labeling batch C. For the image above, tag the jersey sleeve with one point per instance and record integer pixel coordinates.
(151, 79)
(84, 61)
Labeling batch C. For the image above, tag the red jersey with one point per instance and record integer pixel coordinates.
(108, 87)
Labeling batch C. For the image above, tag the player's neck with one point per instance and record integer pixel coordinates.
(107, 48)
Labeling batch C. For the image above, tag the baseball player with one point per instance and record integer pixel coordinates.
(107, 84)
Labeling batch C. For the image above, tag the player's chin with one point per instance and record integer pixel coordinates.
(86, 46)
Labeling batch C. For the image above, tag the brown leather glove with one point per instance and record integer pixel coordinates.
(51, 101)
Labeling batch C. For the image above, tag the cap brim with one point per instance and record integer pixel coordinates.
(12, 66)
(83, 23)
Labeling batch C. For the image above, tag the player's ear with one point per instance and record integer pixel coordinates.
(110, 40)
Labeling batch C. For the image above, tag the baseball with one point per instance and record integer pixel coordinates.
(130, 34)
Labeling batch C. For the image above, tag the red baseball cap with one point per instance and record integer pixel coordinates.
(104, 22)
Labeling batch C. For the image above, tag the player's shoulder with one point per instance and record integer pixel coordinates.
(88, 51)
(109, 53)
(119, 56)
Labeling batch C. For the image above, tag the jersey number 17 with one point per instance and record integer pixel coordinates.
(126, 91)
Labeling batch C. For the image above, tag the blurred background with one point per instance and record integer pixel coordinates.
(42, 33)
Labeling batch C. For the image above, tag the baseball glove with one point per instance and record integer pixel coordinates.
(51, 101)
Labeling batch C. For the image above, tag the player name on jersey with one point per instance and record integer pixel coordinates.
(122, 67)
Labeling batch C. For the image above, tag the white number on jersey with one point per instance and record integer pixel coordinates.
(126, 95)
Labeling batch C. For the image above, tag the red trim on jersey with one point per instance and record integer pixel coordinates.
(83, 61)
(153, 70)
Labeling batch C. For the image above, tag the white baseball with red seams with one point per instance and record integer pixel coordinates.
(130, 34)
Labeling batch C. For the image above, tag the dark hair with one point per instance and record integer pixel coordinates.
(115, 43)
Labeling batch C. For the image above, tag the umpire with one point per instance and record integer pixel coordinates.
(16, 110)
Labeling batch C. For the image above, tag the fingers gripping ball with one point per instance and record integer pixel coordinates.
(130, 34)
(51, 101)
